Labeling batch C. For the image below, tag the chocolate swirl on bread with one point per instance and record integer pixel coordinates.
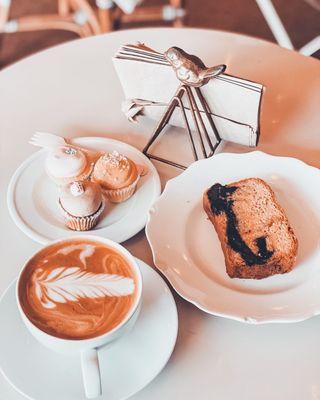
(255, 234)
(220, 198)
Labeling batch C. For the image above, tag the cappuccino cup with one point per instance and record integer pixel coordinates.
(78, 294)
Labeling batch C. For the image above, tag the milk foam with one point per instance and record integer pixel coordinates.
(71, 284)
(87, 250)
(77, 289)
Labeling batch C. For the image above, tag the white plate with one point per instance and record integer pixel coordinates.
(33, 198)
(126, 367)
(188, 252)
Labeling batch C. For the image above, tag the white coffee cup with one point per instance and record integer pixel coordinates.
(87, 348)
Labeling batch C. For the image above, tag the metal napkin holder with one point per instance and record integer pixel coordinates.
(192, 75)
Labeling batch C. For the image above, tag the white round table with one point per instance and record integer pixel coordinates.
(72, 90)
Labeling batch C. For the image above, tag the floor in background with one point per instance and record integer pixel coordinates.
(243, 16)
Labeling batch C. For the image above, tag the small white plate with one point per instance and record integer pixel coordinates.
(126, 367)
(188, 252)
(33, 198)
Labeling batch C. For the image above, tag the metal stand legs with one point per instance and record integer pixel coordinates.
(198, 139)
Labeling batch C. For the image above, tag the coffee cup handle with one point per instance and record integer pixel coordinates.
(91, 373)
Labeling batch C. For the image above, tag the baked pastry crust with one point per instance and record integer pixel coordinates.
(256, 237)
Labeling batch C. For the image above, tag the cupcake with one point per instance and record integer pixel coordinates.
(81, 204)
(67, 164)
(117, 175)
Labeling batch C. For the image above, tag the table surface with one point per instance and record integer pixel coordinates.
(73, 90)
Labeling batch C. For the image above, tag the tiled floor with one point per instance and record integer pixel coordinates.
(301, 20)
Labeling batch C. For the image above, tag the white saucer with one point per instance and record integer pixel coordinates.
(127, 367)
(33, 198)
(189, 253)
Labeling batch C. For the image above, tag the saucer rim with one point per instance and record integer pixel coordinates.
(165, 266)
(42, 239)
(173, 305)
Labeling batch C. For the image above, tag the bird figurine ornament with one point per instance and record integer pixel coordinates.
(189, 69)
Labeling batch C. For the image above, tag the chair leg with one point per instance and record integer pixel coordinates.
(86, 30)
(85, 7)
(4, 13)
(178, 5)
(42, 22)
(63, 7)
(143, 14)
(273, 20)
(105, 19)
(311, 47)
(66, 19)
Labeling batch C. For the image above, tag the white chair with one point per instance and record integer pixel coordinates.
(80, 17)
(281, 35)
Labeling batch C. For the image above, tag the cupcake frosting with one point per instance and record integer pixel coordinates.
(65, 162)
(81, 199)
(115, 171)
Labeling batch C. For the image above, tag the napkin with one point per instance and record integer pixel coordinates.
(149, 83)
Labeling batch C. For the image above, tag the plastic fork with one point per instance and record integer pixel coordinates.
(47, 140)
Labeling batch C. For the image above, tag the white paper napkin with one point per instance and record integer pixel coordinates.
(149, 82)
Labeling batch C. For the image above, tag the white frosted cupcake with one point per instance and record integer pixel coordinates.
(81, 204)
(117, 175)
(67, 164)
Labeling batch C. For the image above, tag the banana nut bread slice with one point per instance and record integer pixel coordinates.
(255, 235)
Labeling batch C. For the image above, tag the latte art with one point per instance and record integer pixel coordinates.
(71, 284)
(86, 250)
(77, 289)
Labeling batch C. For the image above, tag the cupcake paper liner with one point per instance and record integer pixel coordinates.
(82, 223)
(120, 195)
